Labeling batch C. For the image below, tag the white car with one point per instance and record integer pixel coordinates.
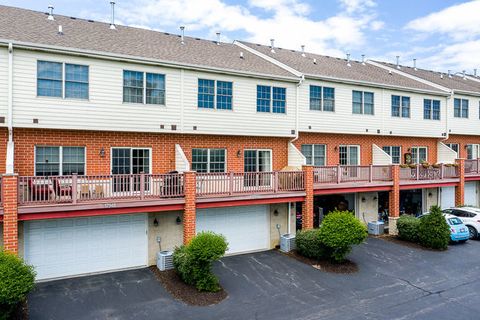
(470, 217)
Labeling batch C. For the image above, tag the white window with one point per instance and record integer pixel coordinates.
(349, 155)
(362, 102)
(419, 154)
(473, 151)
(131, 160)
(314, 153)
(54, 161)
(453, 146)
(395, 152)
(257, 160)
(208, 160)
(62, 80)
(143, 87)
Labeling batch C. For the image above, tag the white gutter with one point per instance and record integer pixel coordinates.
(10, 144)
(141, 60)
(297, 106)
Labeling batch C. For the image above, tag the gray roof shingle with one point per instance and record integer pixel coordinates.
(455, 82)
(24, 25)
(331, 67)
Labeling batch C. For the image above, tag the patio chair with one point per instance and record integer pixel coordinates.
(39, 192)
(61, 190)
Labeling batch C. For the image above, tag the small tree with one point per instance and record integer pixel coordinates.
(16, 281)
(193, 262)
(408, 228)
(339, 231)
(433, 231)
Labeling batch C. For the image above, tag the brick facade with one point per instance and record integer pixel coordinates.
(162, 144)
(307, 204)
(10, 212)
(189, 213)
(365, 142)
(460, 188)
(462, 141)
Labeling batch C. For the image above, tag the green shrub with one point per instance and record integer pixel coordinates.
(433, 230)
(193, 262)
(16, 281)
(309, 245)
(339, 231)
(408, 228)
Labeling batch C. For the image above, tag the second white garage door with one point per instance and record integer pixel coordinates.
(447, 197)
(67, 247)
(471, 194)
(246, 228)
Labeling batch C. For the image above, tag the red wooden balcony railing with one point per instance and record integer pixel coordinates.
(421, 172)
(75, 189)
(345, 174)
(472, 167)
(1, 193)
(237, 183)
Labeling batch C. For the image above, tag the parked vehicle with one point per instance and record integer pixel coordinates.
(470, 217)
(459, 232)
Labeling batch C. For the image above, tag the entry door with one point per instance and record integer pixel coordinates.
(447, 197)
(128, 161)
(257, 161)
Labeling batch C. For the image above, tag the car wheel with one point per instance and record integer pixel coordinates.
(473, 232)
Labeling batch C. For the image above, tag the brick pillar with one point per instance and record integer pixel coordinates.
(10, 212)
(394, 201)
(460, 187)
(189, 213)
(307, 205)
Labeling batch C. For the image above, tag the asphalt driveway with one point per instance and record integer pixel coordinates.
(394, 282)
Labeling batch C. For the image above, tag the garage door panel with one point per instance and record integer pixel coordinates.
(447, 197)
(85, 245)
(246, 228)
(471, 194)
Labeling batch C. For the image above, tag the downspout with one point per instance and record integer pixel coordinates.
(10, 144)
(447, 132)
(297, 105)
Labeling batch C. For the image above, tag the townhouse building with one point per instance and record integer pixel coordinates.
(118, 142)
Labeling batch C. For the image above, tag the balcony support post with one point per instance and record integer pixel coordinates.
(370, 173)
(307, 204)
(74, 188)
(394, 201)
(460, 187)
(10, 212)
(190, 210)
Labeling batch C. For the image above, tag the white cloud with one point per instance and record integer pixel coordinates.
(287, 21)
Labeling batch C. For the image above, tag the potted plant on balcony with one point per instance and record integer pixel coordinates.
(404, 166)
(412, 165)
(425, 164)
(437, 165)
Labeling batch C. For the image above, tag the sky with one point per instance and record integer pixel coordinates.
(440, 34)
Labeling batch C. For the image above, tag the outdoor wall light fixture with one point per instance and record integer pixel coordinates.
(429, 194)
(155, 222)
(375, 198)
(239, 154)
(336, 149)
(102, 153)
(178, 220)
(363, 199)
(275, 212)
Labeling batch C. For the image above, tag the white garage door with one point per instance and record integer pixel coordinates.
(66, 247)
(246, 228)
(447, 197)
(471, 194)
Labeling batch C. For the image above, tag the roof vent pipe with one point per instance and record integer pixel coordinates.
(348, 60)
(475, 72)
(218, 37)
(241, 54)
(398, 62)
(50, 13)
(272, 45)
(415, 64)
(314, 61)
(464, 74)
(60, 30)
(449, 73)
(303, 50)
(112, 17)
(182, 29)
(363, 59)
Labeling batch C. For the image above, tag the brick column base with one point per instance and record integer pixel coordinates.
(307, 204)
(10, 213)
(190, 210)
(394, 201)
(460, 187)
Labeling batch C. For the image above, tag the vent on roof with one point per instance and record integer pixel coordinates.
(241, 54)
(166, 33)
(50, 13)
(398, 62)
(314, 61)
(415, 64)
(73, 18)
(272, 45)
(441, 75)
(464, 74)
(198, 39)
(348, 60)
(60, 30)
(449, 73)
(475, 72)
(218, 37)
(90, 20)
(112, 15)
(303, 50)
(182, 34)
(363, 59)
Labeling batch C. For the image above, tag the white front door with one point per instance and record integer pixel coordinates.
(471, 196)
(447, 197)
(67, 247)
(246, 228)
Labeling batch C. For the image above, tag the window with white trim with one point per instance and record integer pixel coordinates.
(257, 160)
(460, 108)
(314, 154)
(62, 80)
(271, 99)
(431, 109)
(362, 102)
(322, 98)
(400, 106)
(143, 87)
(214, 94)
(208, 160)
(419, 154)
(395, 152)
(454, 146)
(55, 160)
(349, 155)
(473, 151)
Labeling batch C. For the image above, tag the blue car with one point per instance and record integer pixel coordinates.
(458, 231)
